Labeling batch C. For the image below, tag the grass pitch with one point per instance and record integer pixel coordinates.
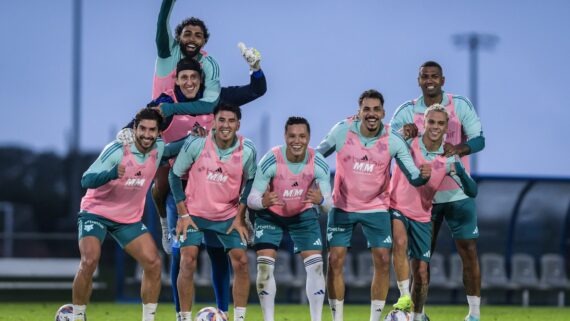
(283, 312)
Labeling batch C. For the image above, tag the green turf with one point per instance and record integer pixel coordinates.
(128, 312)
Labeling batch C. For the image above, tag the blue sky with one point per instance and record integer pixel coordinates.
(318, 57)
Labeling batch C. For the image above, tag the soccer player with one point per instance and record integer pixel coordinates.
(410, 207)
(364, 149)
(290, 180)
(464, 137)
(220, 167)
(117, 184)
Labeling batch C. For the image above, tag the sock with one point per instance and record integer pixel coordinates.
(336, 309)
(185, 316)
(79, 312)
(239, 314)
(174, 271)
(417, 316)
(315, 285)
(474, 305)
(221, 270)
(266, 287)
(149, 311)
(404, 287)
(376, 307)
(164, 224)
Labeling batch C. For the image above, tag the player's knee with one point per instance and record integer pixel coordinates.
(188, 264)
(336, 261)
(421, 274)
(400, 244)
(240, 264)
(152, 265)
(88, 264)
(381, 260)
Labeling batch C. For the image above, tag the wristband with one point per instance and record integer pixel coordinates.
(184, 216)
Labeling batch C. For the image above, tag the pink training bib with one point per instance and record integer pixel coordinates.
(122, 200)
(214, 185)
(362, 174)
(416, 202)
(292, 188)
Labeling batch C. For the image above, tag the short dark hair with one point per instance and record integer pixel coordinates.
(193, 21)
(296, 120)
(149, 114)
(227, 107)
(188, 63)
(371, 93)
(431, 63)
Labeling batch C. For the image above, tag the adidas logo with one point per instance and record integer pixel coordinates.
(219, 170)
(138, 173)
(295, 184)
(319, 292)
(427, 254)
(143, 227)
(476, 230)
(318, 242)
(263, 293)
(387, 240)
(365, 158)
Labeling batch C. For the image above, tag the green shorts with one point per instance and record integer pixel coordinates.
(376, 227)
(303, 228)
(89, 224)
(229, 241)
(460, 216)
(419, 236)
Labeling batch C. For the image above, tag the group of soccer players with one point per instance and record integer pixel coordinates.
(205, 181)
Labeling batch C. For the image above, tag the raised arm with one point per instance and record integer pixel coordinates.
(164, 39)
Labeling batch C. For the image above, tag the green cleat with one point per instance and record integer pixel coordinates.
(404, 303)
(471, 318)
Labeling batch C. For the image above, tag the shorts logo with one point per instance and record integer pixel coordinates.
(318, 242)
(387, 240)
(329, 236)
(258, 233)
(88, 228)
(143, 227)
(476, 230)
(427, 254)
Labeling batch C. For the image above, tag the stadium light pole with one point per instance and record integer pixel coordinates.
(74, 143)
(474, 42)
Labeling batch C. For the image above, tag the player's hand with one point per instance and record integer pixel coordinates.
(126, 136)
(120, 170)
(410, 131)
(425, 171)
(270, 199)
(159, 110)
(182, 227)
(239, 225)
(251, 56)
(314, 196)
(199, 131)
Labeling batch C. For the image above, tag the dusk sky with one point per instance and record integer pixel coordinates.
(318, 57)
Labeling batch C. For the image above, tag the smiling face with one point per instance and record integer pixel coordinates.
(191, 40)
(226, 124)
(146, 133)
(371, 112)
(297, 138)
(435, 126)
(189, 82)
(431, 81)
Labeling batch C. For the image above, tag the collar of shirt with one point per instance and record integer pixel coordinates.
(427, 152)
(355, 127)
(420, 105)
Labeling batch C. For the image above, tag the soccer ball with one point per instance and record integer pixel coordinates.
(398, 315)
(64, 313)
(211, 314)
